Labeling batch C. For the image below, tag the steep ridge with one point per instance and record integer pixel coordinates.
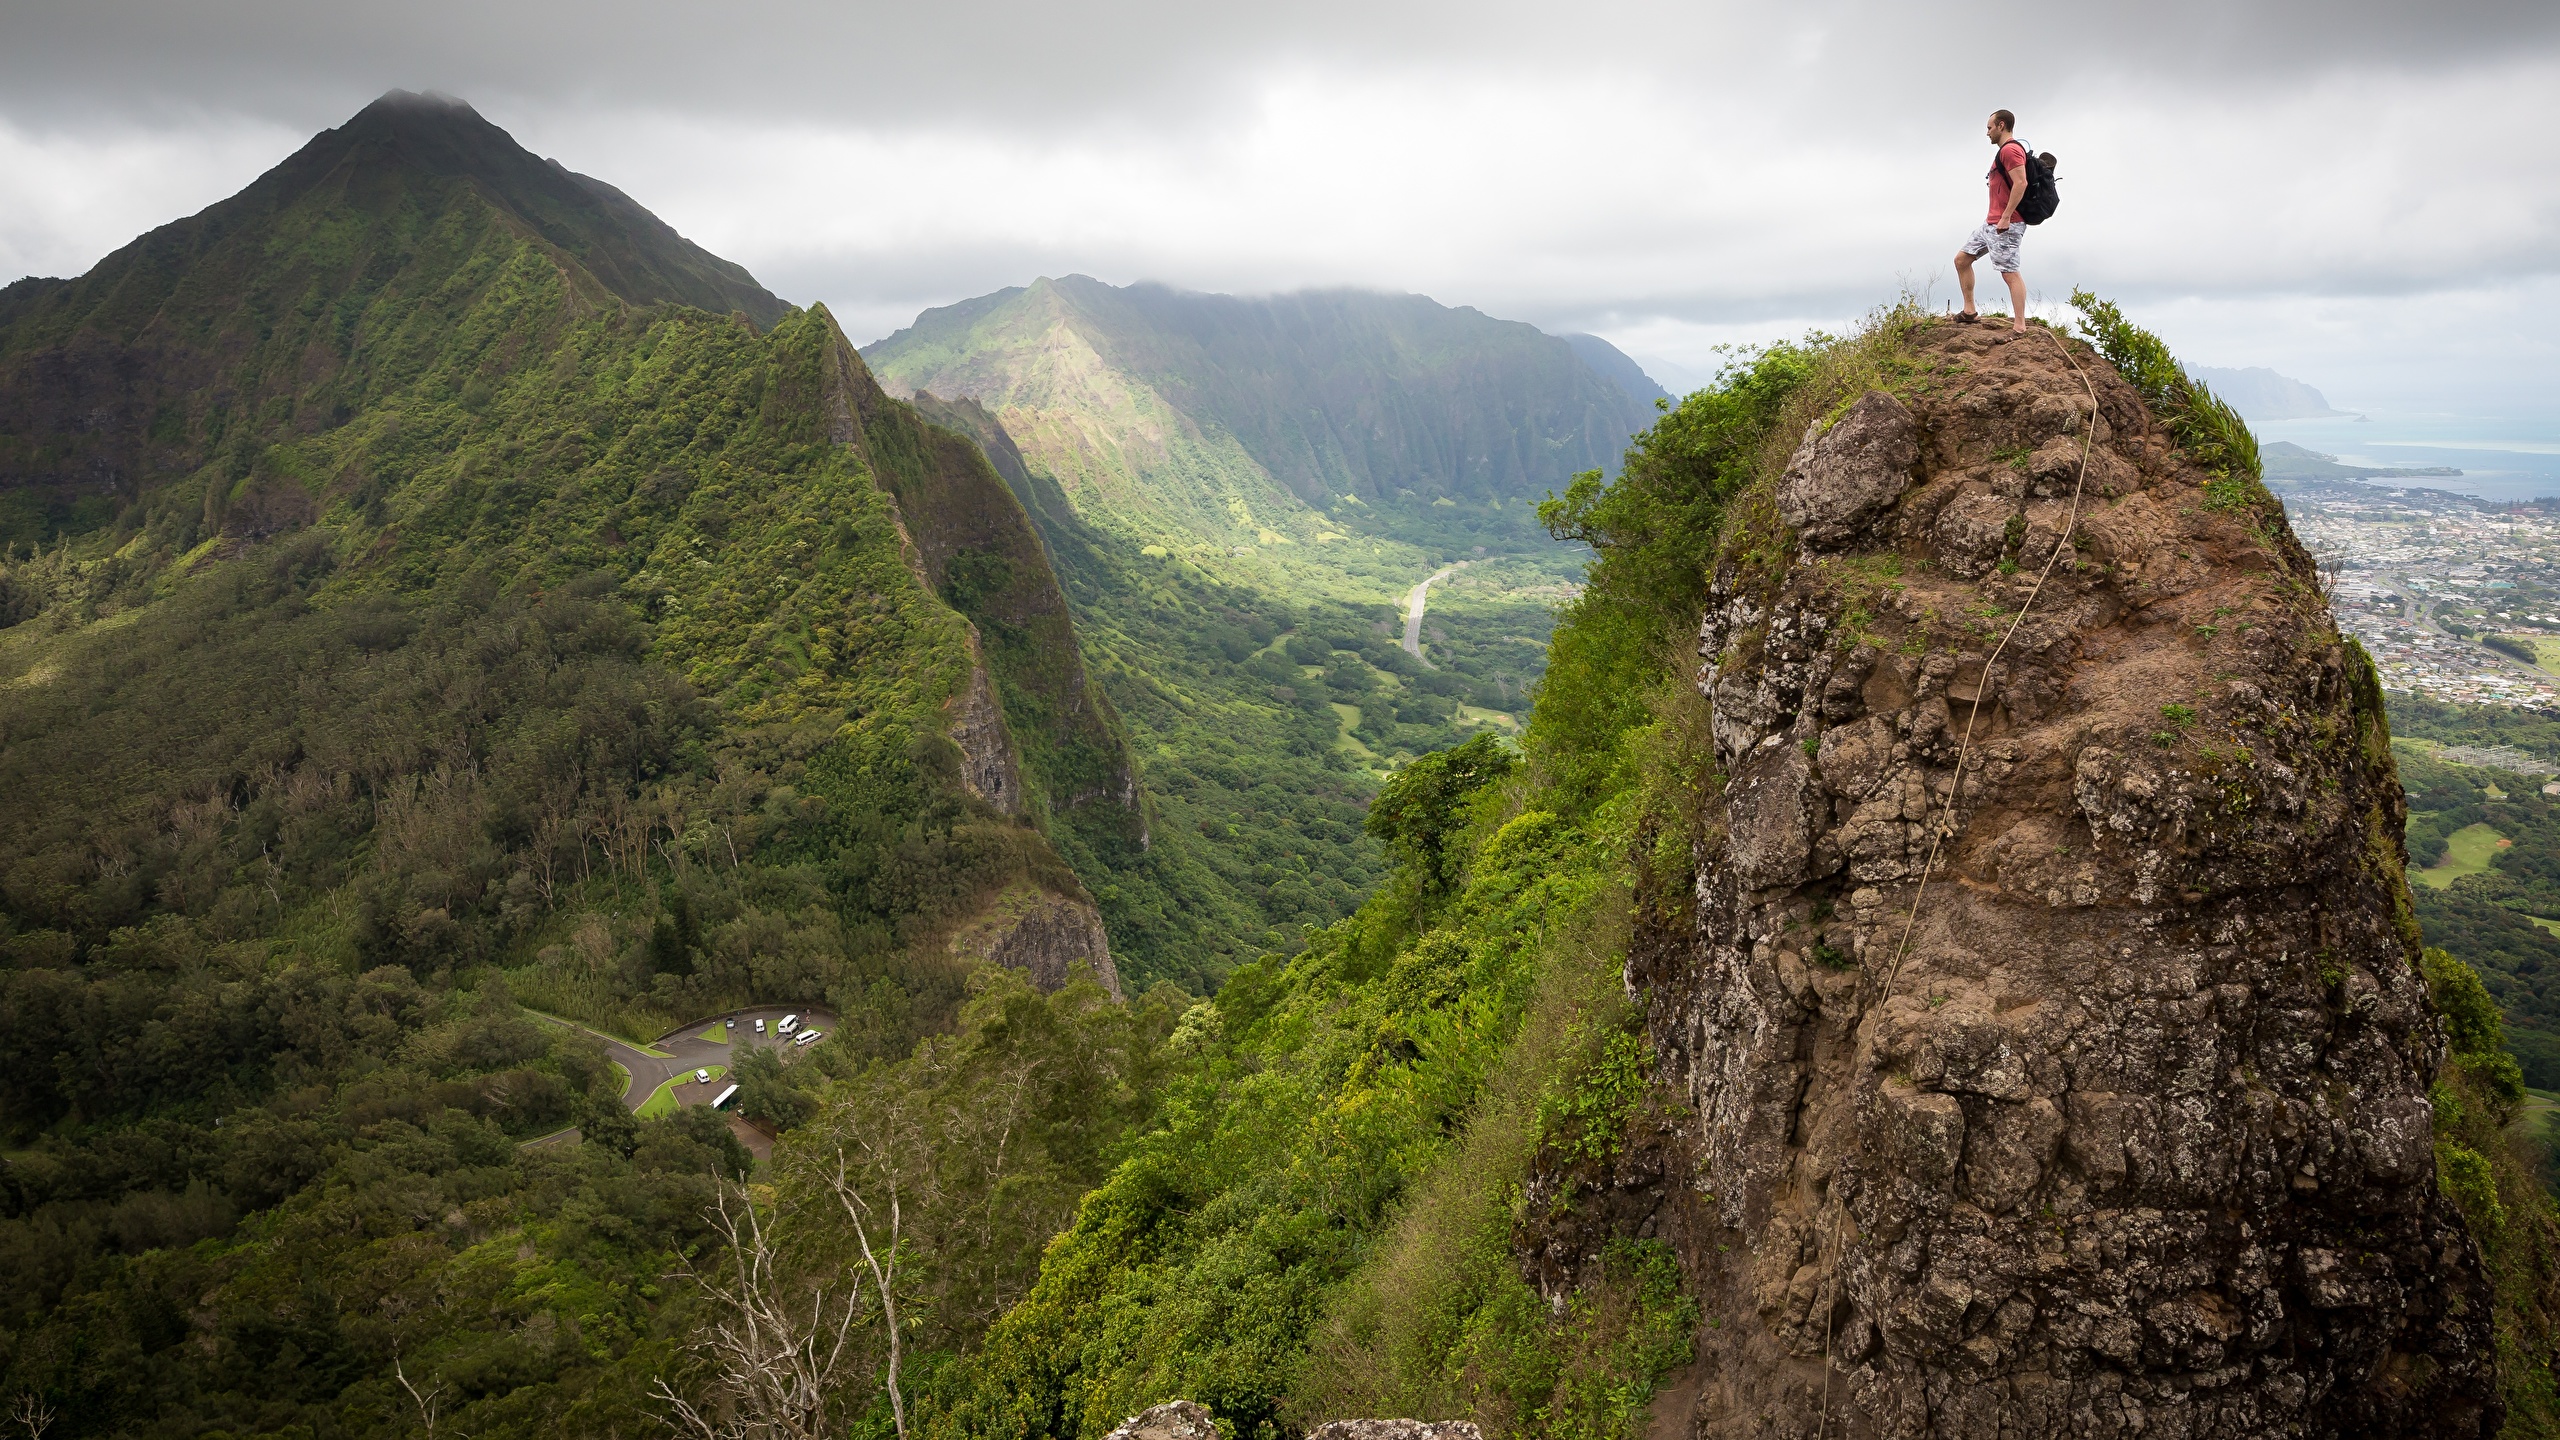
(452, 392)
(1259, 805)
(239, 325)
(432, 645)
(2118, 1118)
(1220, 418)
(1238, 494)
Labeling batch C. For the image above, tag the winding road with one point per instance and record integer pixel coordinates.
(1413, 602)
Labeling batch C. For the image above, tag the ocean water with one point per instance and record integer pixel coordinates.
(2501, 458)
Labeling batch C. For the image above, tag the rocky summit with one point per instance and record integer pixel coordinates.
(2115, 1121)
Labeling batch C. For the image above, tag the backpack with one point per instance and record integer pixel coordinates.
(2042, 198)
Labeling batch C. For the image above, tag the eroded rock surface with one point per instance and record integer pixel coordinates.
(1396, 1430)
(2133, 1139)
(1173, 1420)
(1850, 472)
(1047, 934)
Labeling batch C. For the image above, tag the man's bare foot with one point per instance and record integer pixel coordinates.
(2018, 329)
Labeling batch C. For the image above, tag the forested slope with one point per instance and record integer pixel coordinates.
(407, 623)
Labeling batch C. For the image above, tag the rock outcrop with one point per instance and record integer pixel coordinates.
(1396, 1430)
(1172, 1420)
(2132, 1136)
(1046, 934)
(1189, 1420)
(989, 766)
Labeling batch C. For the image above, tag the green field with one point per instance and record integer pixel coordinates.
(2467, 851)
(1350, 721)
(662, 1101)
(2546, 651)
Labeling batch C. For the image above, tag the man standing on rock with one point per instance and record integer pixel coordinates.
(2001, 230)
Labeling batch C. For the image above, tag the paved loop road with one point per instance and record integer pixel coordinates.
(683, 1051)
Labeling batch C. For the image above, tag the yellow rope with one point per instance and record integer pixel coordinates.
(1955, 789)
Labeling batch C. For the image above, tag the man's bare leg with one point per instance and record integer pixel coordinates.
(2017, 301)
(1964, 279)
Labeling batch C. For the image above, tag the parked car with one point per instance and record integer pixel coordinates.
(789, 1023)
(759, 1024)
(810, 1037)
(701, 1077)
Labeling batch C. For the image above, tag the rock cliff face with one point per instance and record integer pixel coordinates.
(1046, 934)
(2120, 1124)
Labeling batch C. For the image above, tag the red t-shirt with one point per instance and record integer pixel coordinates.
(2012, 156)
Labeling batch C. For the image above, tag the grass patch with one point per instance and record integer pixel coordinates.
(2467, 851)
(2542, 652)
(1350, 715)
(662, 1101)
(624, 1088)
(717, 1034)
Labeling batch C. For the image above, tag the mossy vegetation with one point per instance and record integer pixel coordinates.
(2496, 1171)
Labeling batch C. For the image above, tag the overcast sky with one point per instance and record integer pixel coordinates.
(2363, 195)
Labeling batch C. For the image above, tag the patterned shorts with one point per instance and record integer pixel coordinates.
(2000, 245)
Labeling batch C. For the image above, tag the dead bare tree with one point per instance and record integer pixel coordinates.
(883, 1264)
(430, 1402)
(774, 1356)
(31, 1414)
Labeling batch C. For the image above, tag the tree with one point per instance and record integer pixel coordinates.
(1424, 805)
(765, 1091)
(429, 1401)
(31, 1414)
(780, 1345)
(883, 1264)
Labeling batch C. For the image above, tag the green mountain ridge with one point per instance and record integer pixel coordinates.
(1228, 420)
(205, 329)
(419, 624)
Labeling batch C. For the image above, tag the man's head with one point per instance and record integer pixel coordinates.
(2001, 125)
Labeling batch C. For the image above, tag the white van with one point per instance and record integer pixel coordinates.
(789, 1023)
(811, 1038)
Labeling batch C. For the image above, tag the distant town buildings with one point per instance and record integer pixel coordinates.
(2421, 574)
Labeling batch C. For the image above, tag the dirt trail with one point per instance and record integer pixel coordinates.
(1413, 602)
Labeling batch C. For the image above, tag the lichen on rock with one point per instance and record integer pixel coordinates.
(2121, 1125)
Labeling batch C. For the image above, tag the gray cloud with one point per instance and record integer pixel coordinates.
(1679, 173)
(1032, 63)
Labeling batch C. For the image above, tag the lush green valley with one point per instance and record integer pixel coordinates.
(440, 594)
(1239, 495)
(454, 633)
(448, 620)
(2484, 857)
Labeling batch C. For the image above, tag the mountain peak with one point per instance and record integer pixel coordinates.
(400, 102)
(404, 150)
